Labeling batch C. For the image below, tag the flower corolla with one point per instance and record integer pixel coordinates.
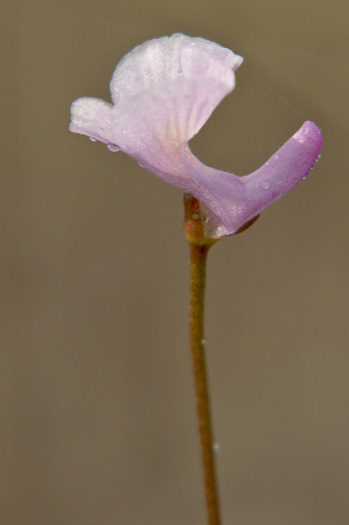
(163, 92)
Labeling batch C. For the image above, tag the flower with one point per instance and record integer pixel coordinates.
(163, 92)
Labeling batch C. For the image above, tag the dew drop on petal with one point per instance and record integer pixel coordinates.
(265, 184)
(219, 231)
(92, 139)
(112, 147)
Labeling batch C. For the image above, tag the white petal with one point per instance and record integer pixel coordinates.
(92, 117)
(160, 60)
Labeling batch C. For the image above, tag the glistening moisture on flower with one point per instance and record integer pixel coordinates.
(163, 92)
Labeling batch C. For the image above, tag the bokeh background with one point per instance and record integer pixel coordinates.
(98, 424)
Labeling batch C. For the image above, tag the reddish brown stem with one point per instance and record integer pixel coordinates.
(199, 246)
(198, 266)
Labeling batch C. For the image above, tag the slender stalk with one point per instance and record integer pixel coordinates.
(199, 246)
(198, 256)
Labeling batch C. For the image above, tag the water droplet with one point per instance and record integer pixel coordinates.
(92, 139)
(219, 232)
(195, 216)
(112, 147)
(265, 184)
(216, 448)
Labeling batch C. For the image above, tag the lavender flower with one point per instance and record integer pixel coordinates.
(163, 92)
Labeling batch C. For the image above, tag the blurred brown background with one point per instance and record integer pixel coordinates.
(98, 424)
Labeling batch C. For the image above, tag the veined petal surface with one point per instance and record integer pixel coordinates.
(161, 59)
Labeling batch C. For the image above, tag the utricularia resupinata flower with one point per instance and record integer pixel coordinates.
(163, 92)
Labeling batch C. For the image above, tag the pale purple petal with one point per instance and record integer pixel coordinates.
(160, 60)
(92, 117)
(235, 200)
(152, 125)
